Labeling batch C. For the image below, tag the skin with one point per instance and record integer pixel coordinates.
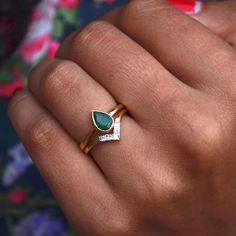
(220, 17)
(173, 171)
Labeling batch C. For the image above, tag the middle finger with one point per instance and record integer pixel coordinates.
(132, 75)
(185, 47)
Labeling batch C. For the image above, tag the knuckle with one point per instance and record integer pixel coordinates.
(168, 196)
(206, 137)
(57, 78)
(92, 34)
(174, 189)
(197, 127)
(40, 135)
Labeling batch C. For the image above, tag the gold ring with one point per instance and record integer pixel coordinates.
(107, 128)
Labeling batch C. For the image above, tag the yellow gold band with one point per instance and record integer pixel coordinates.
(97, 136)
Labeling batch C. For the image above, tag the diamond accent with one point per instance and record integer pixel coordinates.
(114, 136)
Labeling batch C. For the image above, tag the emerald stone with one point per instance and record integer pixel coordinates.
(102, 120)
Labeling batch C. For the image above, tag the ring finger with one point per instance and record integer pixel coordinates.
(70, 94)
(179, 43)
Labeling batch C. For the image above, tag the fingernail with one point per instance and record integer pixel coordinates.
(187, 6)
(16, 91)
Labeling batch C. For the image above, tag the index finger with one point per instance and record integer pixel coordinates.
(184, 46)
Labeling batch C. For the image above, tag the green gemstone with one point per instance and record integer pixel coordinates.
(102, 120)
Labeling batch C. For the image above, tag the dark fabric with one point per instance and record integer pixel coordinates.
(27, 207)
(14, 19)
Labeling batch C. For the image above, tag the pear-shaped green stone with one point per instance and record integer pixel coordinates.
(102, 120)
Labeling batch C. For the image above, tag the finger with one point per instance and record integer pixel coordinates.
(220, 18)
(113, 16)
(189, 7)
(70, 94)
(74, 179)
(124, 68)
(185, 47)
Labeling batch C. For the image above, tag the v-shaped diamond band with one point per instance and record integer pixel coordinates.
(115, 135)
(108, 128)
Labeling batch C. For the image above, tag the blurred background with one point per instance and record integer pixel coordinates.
(31, 30)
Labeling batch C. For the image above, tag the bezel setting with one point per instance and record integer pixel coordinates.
(95, 123)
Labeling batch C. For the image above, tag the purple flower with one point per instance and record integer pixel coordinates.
(40, 224)
(17, 166)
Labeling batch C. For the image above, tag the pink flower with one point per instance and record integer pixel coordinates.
(17, 197)
(33, 50)
(8, 89)
(70, 4)
(53, 47)
(187, 6)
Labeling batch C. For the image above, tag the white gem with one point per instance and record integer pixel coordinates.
(115, 135)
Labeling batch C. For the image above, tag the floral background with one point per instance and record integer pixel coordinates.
(27, 207)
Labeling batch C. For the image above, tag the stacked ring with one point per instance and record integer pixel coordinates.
(107, 128)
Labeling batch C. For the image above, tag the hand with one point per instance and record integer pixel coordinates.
(173, 171)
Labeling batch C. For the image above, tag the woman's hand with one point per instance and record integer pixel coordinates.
(173, 171)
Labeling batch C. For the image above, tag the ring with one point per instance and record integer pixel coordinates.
(107, 128)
